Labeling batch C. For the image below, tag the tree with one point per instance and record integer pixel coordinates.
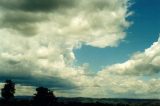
(44, 97)
(8, 91)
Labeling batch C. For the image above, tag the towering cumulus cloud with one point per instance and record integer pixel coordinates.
(93, 22)
(37, 38)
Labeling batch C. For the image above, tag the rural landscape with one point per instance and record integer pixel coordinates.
(45, 97)
(79, 52)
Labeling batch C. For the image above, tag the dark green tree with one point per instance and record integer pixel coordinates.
(8, 91)
(44, 97)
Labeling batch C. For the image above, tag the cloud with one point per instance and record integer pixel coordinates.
(143, 63)
(38, 38)
(136, 78)
(21, 21)
(36, 5)
(96, 23)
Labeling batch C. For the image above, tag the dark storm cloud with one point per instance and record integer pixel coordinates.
(22, 18)
(21, 21)
(45, 5)
(50, 82)
(25, 73)
(36, 5)
(23, 15)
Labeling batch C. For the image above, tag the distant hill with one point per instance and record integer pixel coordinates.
(104, 100)
(92, 101)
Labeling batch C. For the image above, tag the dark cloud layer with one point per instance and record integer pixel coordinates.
(50, 82)
(22, 15)
(45, 5)
(22, 21)
(22, 73)
(67, 17)
(36, 5)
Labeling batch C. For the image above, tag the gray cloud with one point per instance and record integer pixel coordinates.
(35, 81)
(144, 69)
(74, 18)
(36, 5)
(22, 21)
(22, 16)
(47, 5)
(26, 72)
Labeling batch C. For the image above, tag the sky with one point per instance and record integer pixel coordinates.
(81, 48)
(140, 35)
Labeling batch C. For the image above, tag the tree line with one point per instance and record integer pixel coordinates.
(43, 96)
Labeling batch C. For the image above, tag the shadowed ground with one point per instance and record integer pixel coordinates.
(85, 102)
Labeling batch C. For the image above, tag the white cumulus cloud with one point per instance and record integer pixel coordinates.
(38, 39)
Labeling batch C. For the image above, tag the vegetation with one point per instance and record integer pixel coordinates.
(44, 97)
(8, 91)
